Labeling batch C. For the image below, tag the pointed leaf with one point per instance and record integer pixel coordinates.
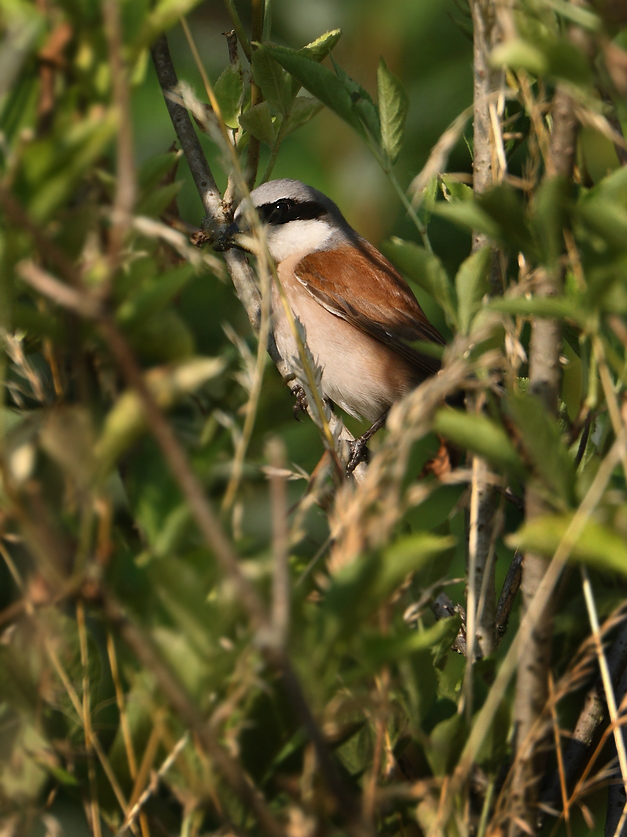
(272, 80)
(426, 270)
(607, 220)
(471, 284)
(229, 89)
(539, 307)
(319, 81)
(506, 207)
(303, 109)
(322, 46)
(379, 649)
(363, 105)
(155, 296)
(479, 434)
(393, 105)
(468, 215)
(519, 54)
(258, 122)
(410, 554)
(597, 545)
(542, 439)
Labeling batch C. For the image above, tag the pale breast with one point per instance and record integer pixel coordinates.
(360, 374)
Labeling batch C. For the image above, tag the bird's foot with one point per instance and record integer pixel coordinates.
(358, 453)
(359, 448)
(301, 404)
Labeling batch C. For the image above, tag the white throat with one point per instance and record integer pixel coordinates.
(287, 240)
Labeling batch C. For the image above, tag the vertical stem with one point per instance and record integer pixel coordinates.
(484, 499)
(544, 383)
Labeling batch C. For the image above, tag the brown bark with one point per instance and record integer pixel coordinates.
(544, 383)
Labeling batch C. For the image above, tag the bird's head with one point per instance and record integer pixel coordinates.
(296, 219)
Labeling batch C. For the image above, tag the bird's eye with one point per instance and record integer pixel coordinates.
(279, 211)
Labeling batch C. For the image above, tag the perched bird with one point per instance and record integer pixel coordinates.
(358, 312)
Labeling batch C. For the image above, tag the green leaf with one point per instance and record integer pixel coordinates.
(272, 81)
(612, 188)
(408, 555)
(303, 109)
(547, 57)
(322, 46)
(153, 171)
(319, 81)
(165, 14)
(607, 220)
(393, 106)
(541, 437)
(568, 62)
(454, 190)
(447, 741)
(426, 270)
(163, 337)
(554, 306)
(468, 215)
(158, 200)
(506, 207)
(519, 54)
(580, 15)
(606, 286)
(363, 105)
(379, 649)
(258, 122)
(471, 284)
(229, 90)
(479, 434)
(597, 545)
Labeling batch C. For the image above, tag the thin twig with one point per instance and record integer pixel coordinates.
(281, 586)
(154, 784)
(185, 132)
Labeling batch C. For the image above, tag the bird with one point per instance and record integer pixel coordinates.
(359, 315)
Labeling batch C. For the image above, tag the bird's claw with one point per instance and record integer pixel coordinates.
(301, 404)
(358, 453)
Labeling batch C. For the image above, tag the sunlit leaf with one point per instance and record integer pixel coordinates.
(229, 89)
(597, 545)
(479, 434)
(319, 48)
(393, 105)
(471, 284)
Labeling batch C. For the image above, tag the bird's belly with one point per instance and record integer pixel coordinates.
(359, 373)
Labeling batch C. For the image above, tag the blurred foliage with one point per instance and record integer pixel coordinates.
(133, 673)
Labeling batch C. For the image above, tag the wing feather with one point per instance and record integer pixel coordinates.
(359, 284)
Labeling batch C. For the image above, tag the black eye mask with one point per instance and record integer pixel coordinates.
(286, 209)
